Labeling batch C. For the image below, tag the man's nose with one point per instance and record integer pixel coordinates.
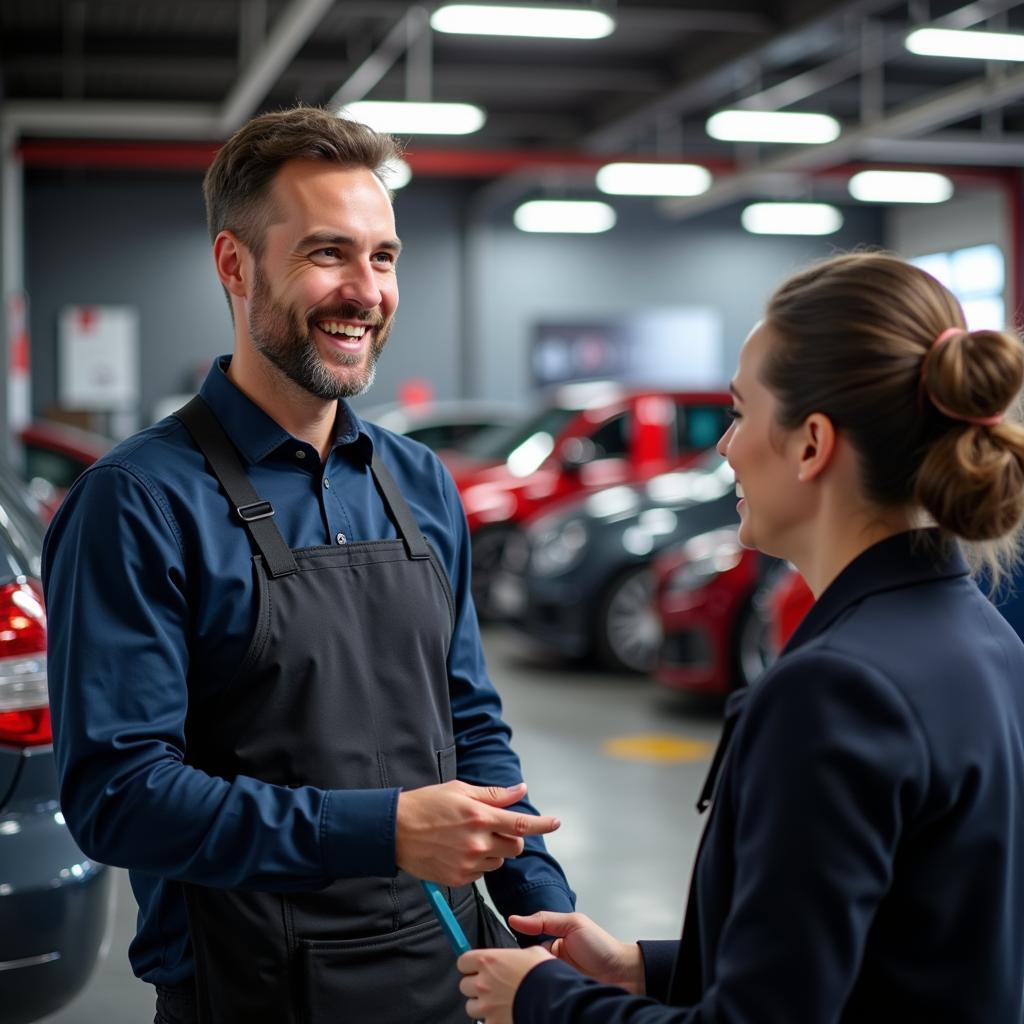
(360, 286)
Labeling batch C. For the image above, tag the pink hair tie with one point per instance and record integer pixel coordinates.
(978, 421)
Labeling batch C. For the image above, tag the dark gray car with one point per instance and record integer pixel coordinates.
(54, 901)
(578, 579)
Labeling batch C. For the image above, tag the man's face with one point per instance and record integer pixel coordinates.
(325, 292)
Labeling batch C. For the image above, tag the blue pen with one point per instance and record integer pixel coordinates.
(452, 928)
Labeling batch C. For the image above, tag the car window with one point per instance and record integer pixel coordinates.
(699, 426)
(611, 439)
(446, 435)
(21, 532)
(500, 443)
(54, 467)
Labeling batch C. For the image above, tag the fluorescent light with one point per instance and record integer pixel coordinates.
(568, 216)
(946, 42)
(545, 22)
(396, 173)
(653, 179)
(417, 118)
(791, 219)
(771, 126)
(900, 187)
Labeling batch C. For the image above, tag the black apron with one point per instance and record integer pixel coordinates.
(344, 686)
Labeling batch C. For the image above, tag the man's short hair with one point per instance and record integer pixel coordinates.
(237, 185)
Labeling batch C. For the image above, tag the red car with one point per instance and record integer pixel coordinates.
(717, 606)
(789, 600)
(53, 455)
(588, 436)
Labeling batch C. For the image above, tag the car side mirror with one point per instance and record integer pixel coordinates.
(575, 452)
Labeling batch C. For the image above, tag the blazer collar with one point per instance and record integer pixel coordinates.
(903, 560)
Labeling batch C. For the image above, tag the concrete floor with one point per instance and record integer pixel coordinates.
(618, 760)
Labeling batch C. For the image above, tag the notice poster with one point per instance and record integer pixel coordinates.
(98, 368)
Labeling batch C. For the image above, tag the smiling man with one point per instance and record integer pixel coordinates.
(269, 696)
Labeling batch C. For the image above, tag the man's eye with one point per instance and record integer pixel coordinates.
(385, 257)
(330, 252)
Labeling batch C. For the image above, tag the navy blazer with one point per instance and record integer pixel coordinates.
(863, 860)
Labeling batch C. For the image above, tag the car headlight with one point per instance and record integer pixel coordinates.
(707, 556)
(556, 549)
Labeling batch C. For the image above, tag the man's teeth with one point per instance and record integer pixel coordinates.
(335, 328)
(739, 491)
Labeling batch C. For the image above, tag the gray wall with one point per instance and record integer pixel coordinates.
(644, 261)
(470, 296)
(140, 240)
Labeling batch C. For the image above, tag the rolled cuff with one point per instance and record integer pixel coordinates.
(357, 833)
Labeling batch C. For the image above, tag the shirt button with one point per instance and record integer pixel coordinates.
(300, 454)
(341, 539)
(327, 483)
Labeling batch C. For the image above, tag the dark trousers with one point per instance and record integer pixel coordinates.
(176, 1004)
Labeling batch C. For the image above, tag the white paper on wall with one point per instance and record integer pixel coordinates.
(98, 365)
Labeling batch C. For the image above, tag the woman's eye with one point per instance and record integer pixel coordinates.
(732, 414)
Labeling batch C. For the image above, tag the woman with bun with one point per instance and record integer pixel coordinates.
(863, 858)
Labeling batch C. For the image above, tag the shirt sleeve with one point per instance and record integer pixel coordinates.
(117, 598)
(534, 880)
(824, 771)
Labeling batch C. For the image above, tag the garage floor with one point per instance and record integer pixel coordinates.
(616, 759)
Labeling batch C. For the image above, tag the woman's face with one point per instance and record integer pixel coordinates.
(773, 505)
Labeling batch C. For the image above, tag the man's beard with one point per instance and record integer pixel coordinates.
(289, 344)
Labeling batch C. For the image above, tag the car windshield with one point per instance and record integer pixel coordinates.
(21, 533)
(538, 430)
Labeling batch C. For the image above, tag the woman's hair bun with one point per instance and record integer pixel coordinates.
(971, 480)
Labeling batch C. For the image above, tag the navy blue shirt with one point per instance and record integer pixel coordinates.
(150, 594)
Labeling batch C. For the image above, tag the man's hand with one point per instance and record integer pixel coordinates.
(587, 947)
(452, 833)
(492, 978)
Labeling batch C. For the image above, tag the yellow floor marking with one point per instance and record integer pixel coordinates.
(658, 747)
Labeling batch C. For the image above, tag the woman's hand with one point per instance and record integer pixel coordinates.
(587, 947)
(492, 978)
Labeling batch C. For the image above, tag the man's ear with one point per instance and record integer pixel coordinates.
(816, 445)
(233, 261)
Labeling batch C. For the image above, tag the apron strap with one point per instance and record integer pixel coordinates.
(255, 514)
(415, 543)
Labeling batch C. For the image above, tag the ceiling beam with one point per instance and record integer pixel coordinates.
(726, 75)
(945, 108)
(121, 119)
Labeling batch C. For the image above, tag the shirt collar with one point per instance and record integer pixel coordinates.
(255, 434)
(905, 559)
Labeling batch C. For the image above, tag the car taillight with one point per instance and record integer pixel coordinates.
(24, 707)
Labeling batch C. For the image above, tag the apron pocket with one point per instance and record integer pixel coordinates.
(400, 977)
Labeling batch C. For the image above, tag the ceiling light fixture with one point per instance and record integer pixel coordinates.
(791, 219)
(417, 118)
(564, 216)
(538, 22)
(772, 126)
(900, 187)
(946, 42)
(635, 179)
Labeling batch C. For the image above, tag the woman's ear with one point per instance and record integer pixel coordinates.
(816, 446)
(232, 258)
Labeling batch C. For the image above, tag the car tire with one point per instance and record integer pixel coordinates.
(751, 645)
(627, 630)
(488, 550)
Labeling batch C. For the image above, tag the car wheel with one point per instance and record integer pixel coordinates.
(488, 552)
(752, 652)
(628, 628)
